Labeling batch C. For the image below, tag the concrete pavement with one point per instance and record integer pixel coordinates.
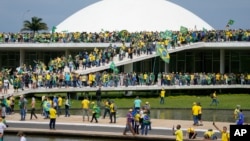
(76, 120)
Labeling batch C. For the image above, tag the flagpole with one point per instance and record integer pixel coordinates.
(154, 65)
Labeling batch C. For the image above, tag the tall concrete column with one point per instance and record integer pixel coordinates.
(222, 61)
(128, 68)
(66, 53)
(166, 67)
(22, 54)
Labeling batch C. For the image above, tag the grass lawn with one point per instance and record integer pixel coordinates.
(226, 101)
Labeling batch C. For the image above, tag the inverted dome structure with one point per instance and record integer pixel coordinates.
(133, 16)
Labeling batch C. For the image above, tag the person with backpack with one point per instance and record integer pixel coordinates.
(145, 123)
(113, 109)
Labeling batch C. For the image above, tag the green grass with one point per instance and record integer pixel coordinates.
(226, 101)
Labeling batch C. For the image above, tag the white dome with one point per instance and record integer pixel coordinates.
(132, 15)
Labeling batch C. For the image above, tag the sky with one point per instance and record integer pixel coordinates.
(214, 12)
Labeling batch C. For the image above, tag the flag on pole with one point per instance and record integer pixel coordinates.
(162, 52)
(230, 22)
(183, 30)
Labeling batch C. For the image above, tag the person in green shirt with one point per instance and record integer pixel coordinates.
(95, 112)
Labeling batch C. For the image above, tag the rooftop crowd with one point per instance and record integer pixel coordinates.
(124, 36)
(52, 74)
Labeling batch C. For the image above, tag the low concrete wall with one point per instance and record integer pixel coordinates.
(94, 135)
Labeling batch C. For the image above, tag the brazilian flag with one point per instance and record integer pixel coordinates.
(163, 53)
(230, 22)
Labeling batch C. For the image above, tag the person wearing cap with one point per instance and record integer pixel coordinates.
(129, 126)
(195, 112)
(162, 96)
(2, 128)
(22, 136)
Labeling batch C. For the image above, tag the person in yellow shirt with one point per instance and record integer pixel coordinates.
(85, 108)
(112, 112)
(224, 133)
(52, 116)
(214, 99)
(137, 121)
(162, 96)
(199, 114)
(106, 108)
(236, 112)
(195, 112)
(178, 133)
(209, 135)
(60, 102)
(191, 133)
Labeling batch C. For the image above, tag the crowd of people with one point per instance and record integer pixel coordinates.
(50, 79)
(124, 35)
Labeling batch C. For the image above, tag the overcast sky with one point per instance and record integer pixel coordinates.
(214, 12)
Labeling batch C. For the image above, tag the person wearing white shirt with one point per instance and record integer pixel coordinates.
(22, 136)
(2, 128)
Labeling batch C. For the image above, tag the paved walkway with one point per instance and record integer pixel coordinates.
(160, 124)
(156, 123)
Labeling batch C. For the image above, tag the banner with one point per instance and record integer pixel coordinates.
(162, 52)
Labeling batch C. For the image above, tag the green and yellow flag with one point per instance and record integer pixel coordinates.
(183, 30)
(230, 22)
(162, 52)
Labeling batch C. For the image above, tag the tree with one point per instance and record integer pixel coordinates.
(34, 25)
